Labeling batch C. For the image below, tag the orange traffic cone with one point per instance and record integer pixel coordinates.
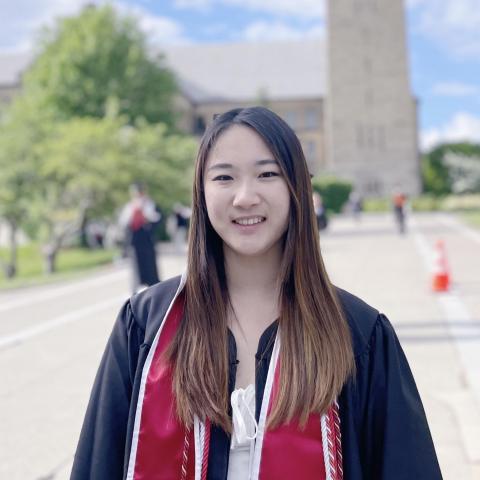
(441, 272)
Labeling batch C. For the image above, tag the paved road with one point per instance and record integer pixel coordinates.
(52, 337)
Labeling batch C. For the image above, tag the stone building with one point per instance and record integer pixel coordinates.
(371, 118)
(347, 97)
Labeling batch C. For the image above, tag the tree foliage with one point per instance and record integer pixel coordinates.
(438, 176)
(164, 162)
(21, 131)
(463, 172)
(94, 115)
(88, 164)
(98, 55)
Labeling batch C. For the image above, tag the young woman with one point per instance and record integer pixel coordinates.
(252, 365)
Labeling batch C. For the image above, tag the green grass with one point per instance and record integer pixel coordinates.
(70, 262)
(472, 218)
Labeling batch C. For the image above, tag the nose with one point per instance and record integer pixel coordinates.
(246, 195)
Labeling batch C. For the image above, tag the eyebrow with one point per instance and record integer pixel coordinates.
(221, 166)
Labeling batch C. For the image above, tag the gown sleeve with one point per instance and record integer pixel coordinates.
(396, 438)
(101, 448)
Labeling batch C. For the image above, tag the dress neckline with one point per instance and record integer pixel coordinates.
(265, 343)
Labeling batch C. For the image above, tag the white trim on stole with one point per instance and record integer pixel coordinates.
(257, 453)
(141, 392)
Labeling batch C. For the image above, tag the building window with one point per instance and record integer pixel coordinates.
(291, 118)
(381, 138)
(311, 118)
(370, 137)
(310, 150)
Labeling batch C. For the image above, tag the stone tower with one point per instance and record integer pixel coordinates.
(371, 121)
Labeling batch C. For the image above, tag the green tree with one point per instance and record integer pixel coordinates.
(89, 163)
(96, 56)
(22, 128)
(164, 162)
(82, 170)
(437, 178)
(94, 115)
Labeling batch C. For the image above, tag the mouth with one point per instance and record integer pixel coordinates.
(247, 221)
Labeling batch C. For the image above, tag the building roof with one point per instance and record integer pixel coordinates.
(12, 65)
(286, 70)
(243, 71)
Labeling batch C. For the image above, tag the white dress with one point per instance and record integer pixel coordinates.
(244, 433)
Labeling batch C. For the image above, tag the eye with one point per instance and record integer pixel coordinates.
(222, 178)
(269, 174)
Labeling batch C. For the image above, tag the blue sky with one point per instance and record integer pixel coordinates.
(443, 38)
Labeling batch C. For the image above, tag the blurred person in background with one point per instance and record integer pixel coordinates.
(320, 212)
(138, 219)
(355, 203)
(182, 218)
(96, 231)
(252, 364)
(399, 203)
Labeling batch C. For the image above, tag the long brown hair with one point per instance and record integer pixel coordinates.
(316, 354)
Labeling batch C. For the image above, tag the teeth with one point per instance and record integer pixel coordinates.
(249, 221)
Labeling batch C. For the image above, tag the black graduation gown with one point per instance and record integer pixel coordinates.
(385, 435)
(144, 256)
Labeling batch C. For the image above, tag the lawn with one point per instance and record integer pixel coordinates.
(70, 261)
(472, 218)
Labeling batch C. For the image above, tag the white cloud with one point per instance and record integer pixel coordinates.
(462, 127)
(159, 30)
(277, 30)
(305, 9)
(22, 19)
(455, 89)
(196, 4)
(452, 24)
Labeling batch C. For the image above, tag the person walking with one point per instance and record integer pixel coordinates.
(182, 218)
(138, 219)
(355, 202)
(252, 365)
(399, 201)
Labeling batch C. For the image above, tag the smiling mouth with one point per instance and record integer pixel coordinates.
(249, 221)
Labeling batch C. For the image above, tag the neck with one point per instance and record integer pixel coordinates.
(253, 275)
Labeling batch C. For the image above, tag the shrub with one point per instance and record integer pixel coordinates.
(334, 192)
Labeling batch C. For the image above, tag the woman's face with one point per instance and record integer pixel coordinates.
(247, 198)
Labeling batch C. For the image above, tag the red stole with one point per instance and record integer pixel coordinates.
(163, 449)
